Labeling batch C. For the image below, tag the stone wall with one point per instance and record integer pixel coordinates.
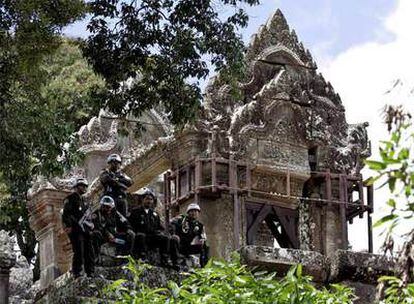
(358, 270)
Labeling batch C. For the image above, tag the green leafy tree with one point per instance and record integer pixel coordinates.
(150, 53)
(29, 31)
(395, 170)
(229, 282)
(164, 46)
(154, 52)
(37, 122)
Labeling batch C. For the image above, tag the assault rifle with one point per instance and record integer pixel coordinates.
(120, 179)
(86, 219)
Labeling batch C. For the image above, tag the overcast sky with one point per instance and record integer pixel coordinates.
(362, 47)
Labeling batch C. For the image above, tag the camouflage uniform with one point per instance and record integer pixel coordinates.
(115, 185)
(188, 230)
(112, 225)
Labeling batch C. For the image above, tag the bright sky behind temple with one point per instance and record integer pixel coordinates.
(364, 48)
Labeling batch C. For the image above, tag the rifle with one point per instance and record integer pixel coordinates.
(120, 179)
(86, 220)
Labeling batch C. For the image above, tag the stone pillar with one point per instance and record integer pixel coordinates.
(7, 261)
(54, 247)
(333, 230)
(217, 215)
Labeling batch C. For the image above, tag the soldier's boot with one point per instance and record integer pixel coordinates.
(204, 255)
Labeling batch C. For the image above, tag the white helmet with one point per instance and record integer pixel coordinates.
(114, 157)
(193, 206)
(81, 181)
(107, 201)
(146, 191)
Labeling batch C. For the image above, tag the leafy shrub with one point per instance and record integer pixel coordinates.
(397, 292)
(396, 171)
(229, 282)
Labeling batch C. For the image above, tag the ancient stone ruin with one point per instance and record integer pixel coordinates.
(275, 169)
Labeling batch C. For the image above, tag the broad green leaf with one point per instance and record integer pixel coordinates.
(375, 165)
(391, 202)
(385, 219)
(391, 183)
(404, 154)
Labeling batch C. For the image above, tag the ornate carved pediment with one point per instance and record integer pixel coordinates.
(277, 32)
(282, 98)
(348, 157)
(102, 136)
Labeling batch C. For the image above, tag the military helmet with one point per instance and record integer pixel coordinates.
(193, 206)
(81, 181)
(114, 158)
(107, 201)
(146, 191)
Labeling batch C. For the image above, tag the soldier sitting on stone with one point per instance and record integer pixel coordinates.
(188, 236)
(110, 226)
(73, 210)
(150, 233)
(115, 183)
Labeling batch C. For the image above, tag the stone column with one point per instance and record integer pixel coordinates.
(54, 247)
(333, 230)
(217, 216)
(7, 261)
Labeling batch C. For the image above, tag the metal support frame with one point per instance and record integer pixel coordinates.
(370, 199)
(236, 204)
(287, 218)
(167, 197)
(343, 197)
(242, 185)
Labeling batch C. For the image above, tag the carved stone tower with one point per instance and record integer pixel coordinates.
(278, 165)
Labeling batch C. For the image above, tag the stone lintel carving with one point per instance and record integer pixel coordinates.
(100, 134)
(148, 165)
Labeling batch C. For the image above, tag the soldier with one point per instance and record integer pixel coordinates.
(115, 183)
(188, 236)
(109, 225)
(73, 210)
(146, 223)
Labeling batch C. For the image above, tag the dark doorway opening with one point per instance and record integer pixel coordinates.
(282, 223)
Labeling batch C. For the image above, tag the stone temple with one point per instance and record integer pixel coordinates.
(276, 170)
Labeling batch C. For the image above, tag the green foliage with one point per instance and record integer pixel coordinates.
(36, 120)
(29, 31)
(40, 120)
(166, 47)
(229, 282)
(397, 293)
(396, 170)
